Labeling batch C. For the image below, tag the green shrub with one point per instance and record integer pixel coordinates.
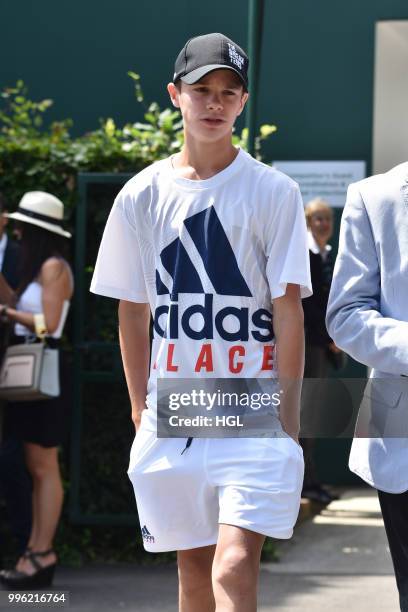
(36, 156)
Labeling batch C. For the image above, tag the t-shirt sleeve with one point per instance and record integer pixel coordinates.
(286, 246)
(119, 267)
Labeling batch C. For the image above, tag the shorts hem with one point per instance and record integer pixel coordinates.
(183, 546)
(283, 534)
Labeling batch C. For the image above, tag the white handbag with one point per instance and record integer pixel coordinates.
(30, 372)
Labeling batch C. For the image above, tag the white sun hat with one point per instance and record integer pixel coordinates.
(42, 209)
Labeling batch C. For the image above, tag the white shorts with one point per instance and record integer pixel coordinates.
(253, 483)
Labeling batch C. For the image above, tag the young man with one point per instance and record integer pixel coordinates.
(367, 317)
(206, 240)
(319, 346)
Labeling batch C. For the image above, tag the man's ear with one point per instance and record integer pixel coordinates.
(244, 99)
(174, 94)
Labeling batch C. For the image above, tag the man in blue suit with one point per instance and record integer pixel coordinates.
(15, 483)
(368, 318)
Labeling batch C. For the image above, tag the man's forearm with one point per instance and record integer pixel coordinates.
(134, 320)
(7, 295)
(290, 350)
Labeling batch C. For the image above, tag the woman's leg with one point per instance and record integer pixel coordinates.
(15, 489)
(42, 463)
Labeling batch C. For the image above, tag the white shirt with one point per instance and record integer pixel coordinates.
(209, 256)
(3, 246)
(31, 301)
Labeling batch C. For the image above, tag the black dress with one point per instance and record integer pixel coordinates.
(42, 422)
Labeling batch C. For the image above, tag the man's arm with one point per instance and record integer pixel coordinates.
(354, 318)
(7, 295)
(134, 321)
(290, 352)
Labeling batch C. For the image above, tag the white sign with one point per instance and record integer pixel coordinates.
(325, 179)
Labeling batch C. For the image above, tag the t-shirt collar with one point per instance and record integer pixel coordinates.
(212, 182)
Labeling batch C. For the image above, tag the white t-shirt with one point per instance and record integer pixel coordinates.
(208, 256)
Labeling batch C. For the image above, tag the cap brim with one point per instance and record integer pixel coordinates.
(197, 74)
(56, 229)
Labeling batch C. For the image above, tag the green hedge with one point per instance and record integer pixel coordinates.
(36, 156)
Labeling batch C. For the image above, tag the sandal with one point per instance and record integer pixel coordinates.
(42, 578)
(23, 555)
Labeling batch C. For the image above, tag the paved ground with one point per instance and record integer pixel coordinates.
(337, 561)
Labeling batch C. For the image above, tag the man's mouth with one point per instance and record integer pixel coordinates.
(213, 120)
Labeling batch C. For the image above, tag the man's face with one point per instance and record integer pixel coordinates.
(321, 224)
(210, 106)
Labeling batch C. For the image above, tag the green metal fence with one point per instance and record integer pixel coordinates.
(96, 351)
(101, 493)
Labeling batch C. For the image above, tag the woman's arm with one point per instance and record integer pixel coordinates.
(25, 318)
(56, 286)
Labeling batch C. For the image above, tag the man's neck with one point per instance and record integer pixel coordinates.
(200, 161)
(321, 243)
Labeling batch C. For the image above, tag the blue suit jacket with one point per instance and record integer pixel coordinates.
(367, 317)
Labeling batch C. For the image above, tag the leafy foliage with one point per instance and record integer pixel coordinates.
(36, 156)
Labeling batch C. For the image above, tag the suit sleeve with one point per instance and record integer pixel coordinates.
(354, 318)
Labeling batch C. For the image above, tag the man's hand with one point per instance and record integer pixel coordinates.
(134, 322)
(334, 348)
(136, 418)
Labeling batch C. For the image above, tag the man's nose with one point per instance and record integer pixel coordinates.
(214, 101)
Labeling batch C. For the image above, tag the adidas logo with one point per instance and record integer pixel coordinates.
(220, 264)
(146, 535)
(218, 273)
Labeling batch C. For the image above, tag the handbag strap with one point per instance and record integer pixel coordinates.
(48, 341)
(53, 343)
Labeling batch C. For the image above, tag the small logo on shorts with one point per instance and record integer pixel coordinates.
(147, 536)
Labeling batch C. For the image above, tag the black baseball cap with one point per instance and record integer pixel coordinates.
(202, 54)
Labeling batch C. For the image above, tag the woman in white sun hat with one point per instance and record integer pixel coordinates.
(44, 295)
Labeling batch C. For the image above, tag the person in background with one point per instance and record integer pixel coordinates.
(15, 482)
(9, 249)
(319, 347)
(44, 292)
